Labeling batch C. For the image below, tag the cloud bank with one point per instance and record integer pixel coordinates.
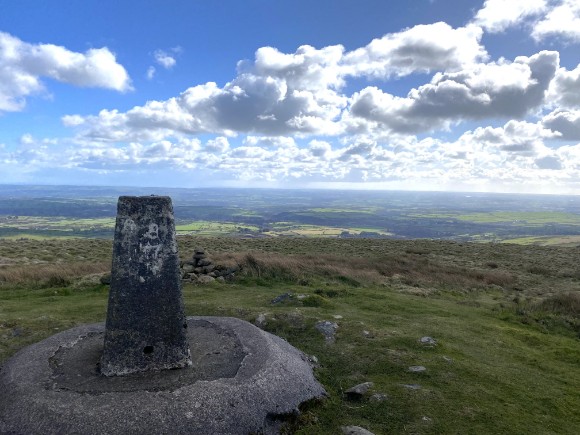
(330, 115)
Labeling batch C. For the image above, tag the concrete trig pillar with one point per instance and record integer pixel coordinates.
(146, 325)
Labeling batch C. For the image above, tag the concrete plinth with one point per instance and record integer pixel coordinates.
(241, 380)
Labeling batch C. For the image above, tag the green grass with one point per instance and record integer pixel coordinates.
(210, 227)
(531, 218)
(505, 317)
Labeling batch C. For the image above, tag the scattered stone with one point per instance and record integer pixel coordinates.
(355, 430)
(188, 268)
(417, 369)
(328, 329)
(426, 419)
(412, 386)
(446, 358)
(300, 297)
(261, 321)
(205, 279)
(220, 279)
(313, 360)
(106, 279)
(368, 334)
(281, 298)
(358, 391)
(378, 397)
(337, 316)
(429, 341)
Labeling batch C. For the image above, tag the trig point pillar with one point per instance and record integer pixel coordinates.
(146, 325)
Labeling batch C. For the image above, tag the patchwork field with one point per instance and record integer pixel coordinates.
(89, 212)
(505, 319)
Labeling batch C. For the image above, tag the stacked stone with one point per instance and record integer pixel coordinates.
(200, 269)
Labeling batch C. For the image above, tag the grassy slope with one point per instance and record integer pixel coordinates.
(503, 363)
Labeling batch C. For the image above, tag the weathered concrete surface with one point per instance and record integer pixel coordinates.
(242, 379)
(146, 327)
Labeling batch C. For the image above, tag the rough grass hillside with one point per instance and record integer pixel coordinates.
(505, 318)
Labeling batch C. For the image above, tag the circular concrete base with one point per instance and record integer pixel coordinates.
(242, 380)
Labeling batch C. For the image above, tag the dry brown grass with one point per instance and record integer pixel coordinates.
(412, 269)
(563, 303)
(49, 275)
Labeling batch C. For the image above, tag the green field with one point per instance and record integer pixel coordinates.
(506, 319)
(530, 218)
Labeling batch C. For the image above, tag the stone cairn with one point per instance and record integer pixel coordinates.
(200, 269)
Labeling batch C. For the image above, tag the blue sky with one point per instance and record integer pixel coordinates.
(367, 94)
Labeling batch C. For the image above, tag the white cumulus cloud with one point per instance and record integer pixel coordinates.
(564, 90)
(563, 19)
(164, 59)
(422, 48)
(565, 122)
(498, 15)
(23, 65)
(495, 90)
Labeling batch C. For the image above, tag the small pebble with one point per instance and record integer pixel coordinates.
(355, 430)
(417, 369)
(359, 390)
(412, 386)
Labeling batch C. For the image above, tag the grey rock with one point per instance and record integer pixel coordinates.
(429, 341)
(417, 369)
(281, 298)
(188, 268)
(358, 391)
(412, 386)
(204, 262)
(220, 279)
(197, 251)
(144, 275)
(261, 321)
(328, 329)
(378, 397)
(355, 430)
(105, 279)
(205, 279)
(314, 360)
(207, 269)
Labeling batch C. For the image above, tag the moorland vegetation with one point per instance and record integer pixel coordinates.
(505, 320)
